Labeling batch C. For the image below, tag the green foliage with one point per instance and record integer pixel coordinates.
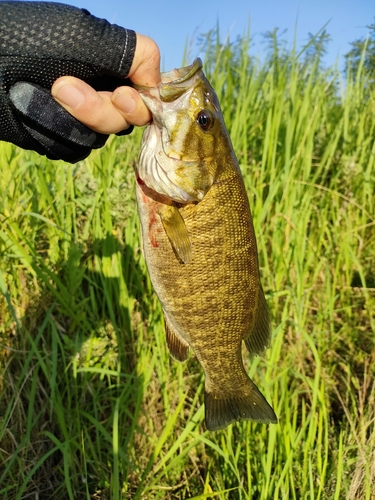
(93, 406)
(362, 54)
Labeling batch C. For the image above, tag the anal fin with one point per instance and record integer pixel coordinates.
(174, 226)
(178, 347)
(259, 337)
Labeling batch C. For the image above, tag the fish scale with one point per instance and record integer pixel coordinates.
(202, 254)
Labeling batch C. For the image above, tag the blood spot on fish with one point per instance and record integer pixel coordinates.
(152, 230)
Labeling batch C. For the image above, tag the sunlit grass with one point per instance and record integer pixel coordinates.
(93, 406)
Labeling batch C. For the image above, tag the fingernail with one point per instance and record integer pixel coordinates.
(68, 94)
(125, 103)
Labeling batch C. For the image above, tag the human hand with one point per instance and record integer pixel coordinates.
(111, 112)
(69, 41)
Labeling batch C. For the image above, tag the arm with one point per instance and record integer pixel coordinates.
(40, 42)
(110, 112)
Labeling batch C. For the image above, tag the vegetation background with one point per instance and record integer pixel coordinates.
(91, 403)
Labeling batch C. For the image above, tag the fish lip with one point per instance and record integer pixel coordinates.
(185, 73)
(172, 82)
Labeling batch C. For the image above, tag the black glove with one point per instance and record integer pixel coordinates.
(45, 126)
(40, 42)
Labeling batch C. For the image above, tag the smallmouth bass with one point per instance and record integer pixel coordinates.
(199, 243)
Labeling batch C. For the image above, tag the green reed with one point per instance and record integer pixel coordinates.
(93, 406)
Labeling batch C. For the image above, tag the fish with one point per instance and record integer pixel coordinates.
(199, 243)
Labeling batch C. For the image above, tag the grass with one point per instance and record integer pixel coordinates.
(93, 406)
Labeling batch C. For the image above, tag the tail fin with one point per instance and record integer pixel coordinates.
(221, 412)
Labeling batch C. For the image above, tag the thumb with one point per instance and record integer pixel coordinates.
(145, 69)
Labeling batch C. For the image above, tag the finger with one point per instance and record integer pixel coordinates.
(94, 109)
(129, 103)
(145, 69)
(57, 134)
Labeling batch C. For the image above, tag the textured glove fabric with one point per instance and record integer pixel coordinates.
(39, 42)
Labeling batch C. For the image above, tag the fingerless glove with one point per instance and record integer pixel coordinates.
(39, 42)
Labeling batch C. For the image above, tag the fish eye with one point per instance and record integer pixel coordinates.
(205, 119)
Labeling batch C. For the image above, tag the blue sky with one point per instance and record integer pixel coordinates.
(171, 22)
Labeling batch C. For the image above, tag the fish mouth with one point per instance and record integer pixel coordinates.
(173, 83)
(180, 75)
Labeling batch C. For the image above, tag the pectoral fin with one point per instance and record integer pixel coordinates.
(259, 336)
(174, 226)
(178, 347)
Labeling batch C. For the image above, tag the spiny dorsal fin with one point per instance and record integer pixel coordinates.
(174, 226)
(260, 334)
(178, 347)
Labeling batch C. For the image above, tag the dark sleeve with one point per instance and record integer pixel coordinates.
(41, 41)
(52, 40)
